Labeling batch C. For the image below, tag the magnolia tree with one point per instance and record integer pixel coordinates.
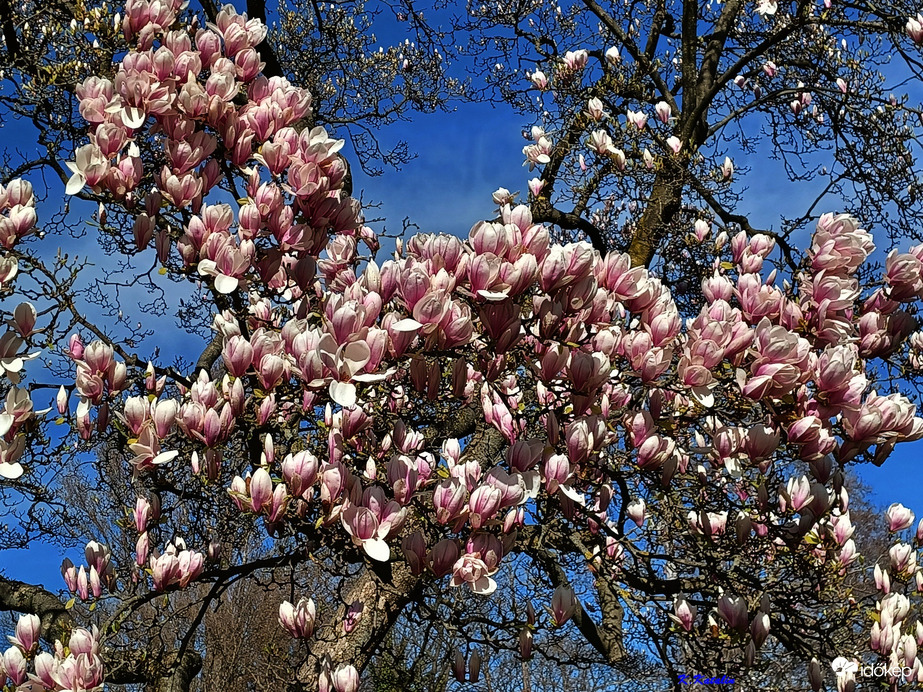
(502, 437)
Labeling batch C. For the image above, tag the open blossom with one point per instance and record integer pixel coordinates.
(638, 119)
(563, 605)
(575, 60)
(473, 571)
(663, 111)
(914, 29)
(767, 8)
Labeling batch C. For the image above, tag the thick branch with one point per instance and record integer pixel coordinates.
(544, 212)
(662, 205)
(209, 356)
(605, 637)
(383, 599)
(58, 623)
(21, 597)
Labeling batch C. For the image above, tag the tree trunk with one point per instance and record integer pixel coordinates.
(384, 593)
(662, 205)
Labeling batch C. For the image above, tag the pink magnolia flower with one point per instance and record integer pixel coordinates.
(28, 629)
(899, 517)
(733, 610)
(575, 60)
(563, 605)
(449, 500)
(663, 111)
(366, 531)
(346, 679)
(914, 29)
(472, 570)
(539, 80)
(298, 620)
(683, 613)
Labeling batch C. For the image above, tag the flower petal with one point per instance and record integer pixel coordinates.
(377, 549)
(343, 393)
(407, 324)
(10, 471)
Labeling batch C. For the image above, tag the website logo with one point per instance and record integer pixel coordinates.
(843, 665)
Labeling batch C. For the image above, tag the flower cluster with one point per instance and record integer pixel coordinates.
(74, 665)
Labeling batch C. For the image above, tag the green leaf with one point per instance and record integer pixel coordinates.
(70, 604)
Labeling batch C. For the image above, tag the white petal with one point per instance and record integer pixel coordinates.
(75, 184)
(494, 295)
(484, 586)
(164, 457)
(343, 393)
(10, 471)
(226, 284)
(207, 268)
(372, 376)
(406, 325)
(12, 364)
(704, 396)
(532, 483)
(133, 117)
(572, 494)
(6, 422)
(377, 549)
(354, 356)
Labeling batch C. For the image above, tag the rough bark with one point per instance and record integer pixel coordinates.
(385, 594)
(663, 203)
(21, 597)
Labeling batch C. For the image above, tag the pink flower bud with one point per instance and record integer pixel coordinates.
(260, 490)
(28, 629)
(61, 401)
(449, 500)
(683, 613)
(459, 666)
(75, 347)
(637, 511)
(759, 629)
(733, 610)
(899, 517)
(346, 679)
(298, 620)
(563, 605)
(15, 664)
(474, 666)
